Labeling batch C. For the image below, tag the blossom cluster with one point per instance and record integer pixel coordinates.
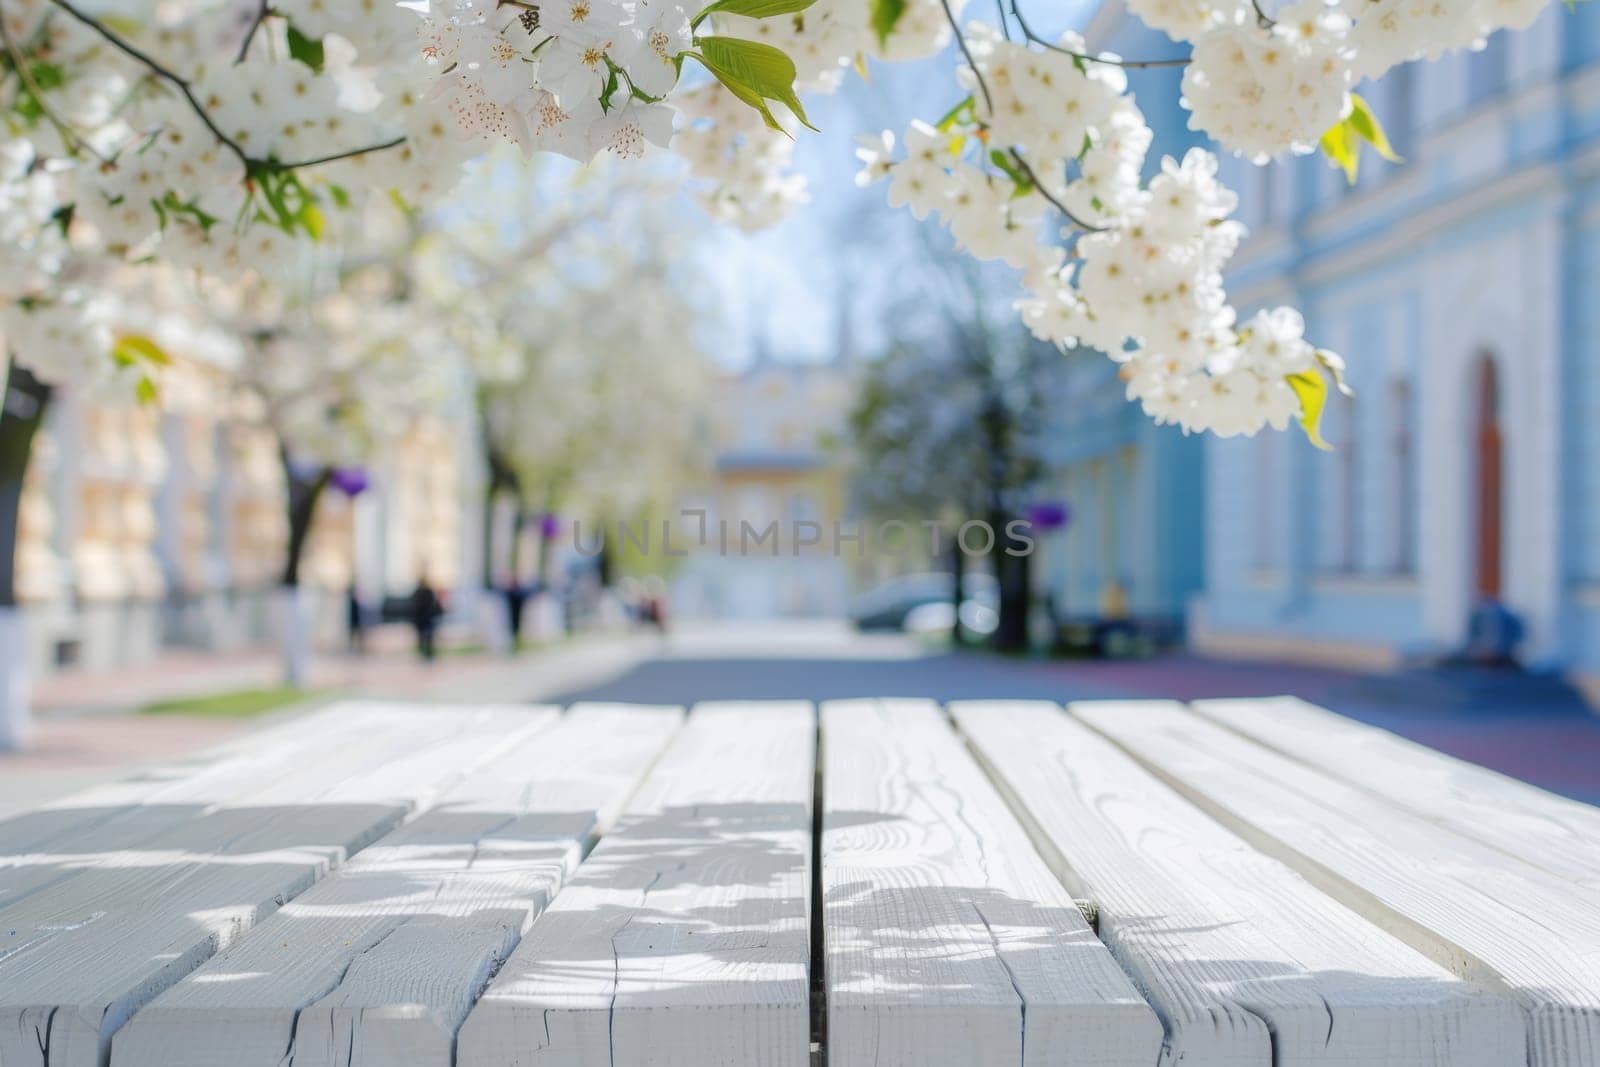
(205, 137)
(1044, 132)
(575, 77)
(1263, 82)
(229, 138)
(742, 167)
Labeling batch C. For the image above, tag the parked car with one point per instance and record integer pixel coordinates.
(921, 603)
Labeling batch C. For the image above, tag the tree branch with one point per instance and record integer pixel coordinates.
(19, 63)
(961, 42)
(1028, 172)
(252, 164)
(1022, 164)
(1129, 64)
(262, 14)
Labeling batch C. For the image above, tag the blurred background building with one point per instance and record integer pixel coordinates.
(143, 528)
(1461, 288)
(1133, 492)
(777, 427)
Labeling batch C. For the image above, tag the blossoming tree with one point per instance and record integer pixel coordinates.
(220, 134)
(224, 137)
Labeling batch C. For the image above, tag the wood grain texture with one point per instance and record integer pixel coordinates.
(683, 940)
(379, 963)
(948, 940)
(1247, 964)
(1472, 908)
(77, 960)
(39, 847)
(1555, 834)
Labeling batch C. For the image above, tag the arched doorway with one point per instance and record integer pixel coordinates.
(1489, 450)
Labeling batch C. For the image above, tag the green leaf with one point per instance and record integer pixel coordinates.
(130, 349)
(311, 220)
(1342, 144)
(47, 76)
(1013, 170)
(303, 48)
(1369, 129)
(960, 113)
(753, 72)
(610, 89)
(885, 16)
(752, 9)
(1312, 389)
(146, 391)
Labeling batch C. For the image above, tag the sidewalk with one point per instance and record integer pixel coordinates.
(87, 729)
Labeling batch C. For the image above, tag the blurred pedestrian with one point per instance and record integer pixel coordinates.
(516, 600)
(653, 608)
(426, 609)
(356, 620)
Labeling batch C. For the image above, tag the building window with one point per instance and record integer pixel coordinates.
(1343, 523)
(1266, 189)
(1403, 487)
(1268, 527)
(1582, 34)
(1400, 107)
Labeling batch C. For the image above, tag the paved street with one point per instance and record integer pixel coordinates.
(1535, 730)
(1530, 728)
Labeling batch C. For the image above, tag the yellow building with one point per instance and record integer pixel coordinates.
(777, 466)
(144, 528)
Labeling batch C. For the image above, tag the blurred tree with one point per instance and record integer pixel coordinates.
(949, 426)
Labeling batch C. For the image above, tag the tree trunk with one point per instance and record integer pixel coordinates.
(501, 480)
(958, 570)
(295, 609)
(26, 401)
(502, 619)
(1012, 573)
(605, 564)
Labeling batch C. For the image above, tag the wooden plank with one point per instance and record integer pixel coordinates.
(1479, 912)
(1246, 962)
(380, 962)
(78, 960)
(948, 940)
(39, 848)
(1553, 833)
(683, 940)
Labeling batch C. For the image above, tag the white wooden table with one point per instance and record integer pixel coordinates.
(881, 883)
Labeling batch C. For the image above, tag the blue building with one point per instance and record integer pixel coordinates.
(1135, 490)
(1463, 287)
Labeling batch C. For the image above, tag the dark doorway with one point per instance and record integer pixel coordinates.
(1490, 487)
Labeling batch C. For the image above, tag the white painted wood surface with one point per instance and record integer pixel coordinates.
(78, 959)
(1247, 964)
(158, 810)
(1473, 908)
(378, 964)
(683, 940)
(1553, 833)
(948, 940)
